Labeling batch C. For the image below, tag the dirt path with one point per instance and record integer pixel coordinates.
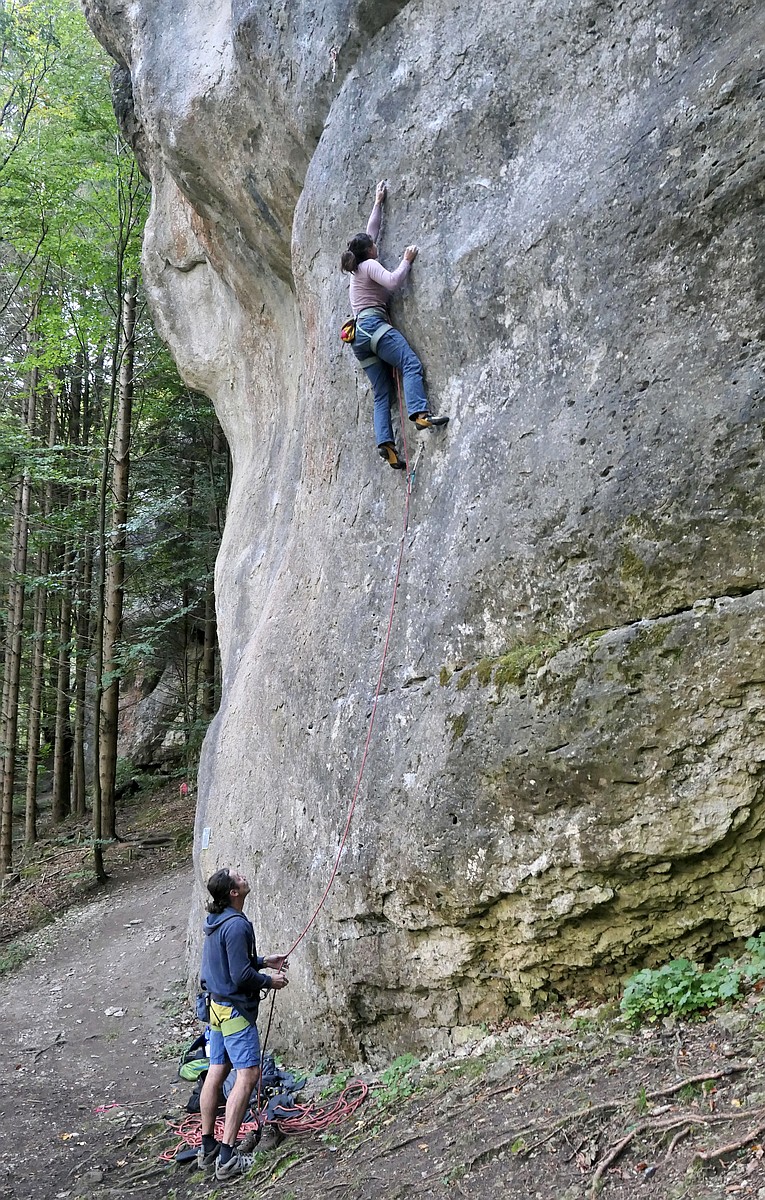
(538, 1112)
(83, 1022)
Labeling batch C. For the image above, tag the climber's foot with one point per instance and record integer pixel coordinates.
(388, 452)
(426, 420)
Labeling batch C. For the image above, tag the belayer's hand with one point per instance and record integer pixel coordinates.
(380, 192)
(411, 253)
(279, 981)
(279, 962)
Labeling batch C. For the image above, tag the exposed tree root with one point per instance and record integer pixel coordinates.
(733, 1069)
(677, 1124)
(682, 1124)
(683, 1133)
(708, 1156)
(612, 1156)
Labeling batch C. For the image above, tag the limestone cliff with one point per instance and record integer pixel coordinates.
(566, 778)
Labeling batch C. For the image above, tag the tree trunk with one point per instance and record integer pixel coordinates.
(15, 639)
(9, 610)
(96, 628)
(115, 572)
(62, 756)
(35, 701)
(82, 650)
(38, 657)
(79, 434)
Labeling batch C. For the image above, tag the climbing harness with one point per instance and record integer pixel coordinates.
(222, 1018)
(374, 338)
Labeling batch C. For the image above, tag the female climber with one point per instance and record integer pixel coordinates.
(377, 345)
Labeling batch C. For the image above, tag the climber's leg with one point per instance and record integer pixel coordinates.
(381, 378)
(394, 349)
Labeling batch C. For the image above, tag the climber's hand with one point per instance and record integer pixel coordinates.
(279, 981)
(380, 192)
(411, 253)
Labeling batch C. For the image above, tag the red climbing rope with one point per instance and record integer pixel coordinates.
(189, 1130)
(409, 484)
(314, 1118)
(309, 1118)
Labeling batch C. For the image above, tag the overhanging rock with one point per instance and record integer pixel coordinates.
(566, 776)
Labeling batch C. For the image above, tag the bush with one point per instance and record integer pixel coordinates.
(683, 988)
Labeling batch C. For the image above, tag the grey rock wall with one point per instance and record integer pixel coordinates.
(566, 775)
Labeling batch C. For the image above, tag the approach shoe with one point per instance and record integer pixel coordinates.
(388, 452)
(238, 1164)
(206, 1162)
(426, 420)
(270, 1138)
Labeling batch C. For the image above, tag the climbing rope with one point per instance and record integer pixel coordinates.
(315, 1118)
(308, 1118)
(410, 475)
(189, 1133)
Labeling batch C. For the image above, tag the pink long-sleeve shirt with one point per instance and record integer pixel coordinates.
(370, 285)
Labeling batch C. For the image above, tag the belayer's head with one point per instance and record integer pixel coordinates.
(359, 250)
(228, 889)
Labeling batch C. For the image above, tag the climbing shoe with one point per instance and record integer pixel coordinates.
(388, 452)
(426, 420)
(206, 1162)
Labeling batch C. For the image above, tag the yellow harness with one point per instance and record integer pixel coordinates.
(221, 1019)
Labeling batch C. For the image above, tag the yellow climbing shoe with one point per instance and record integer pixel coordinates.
(425, 420)
(388, 452)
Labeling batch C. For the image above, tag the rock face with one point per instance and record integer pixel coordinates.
(565, 779)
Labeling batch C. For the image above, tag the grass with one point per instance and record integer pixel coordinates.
(14, 955)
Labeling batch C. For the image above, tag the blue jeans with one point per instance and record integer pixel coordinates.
(393, 350)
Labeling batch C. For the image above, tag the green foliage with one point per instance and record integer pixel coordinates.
(396, 1083)
(754, 966)
(336, 1084)
(125, 772)
(684, 989)
(399, 1067)
(680, 988)
(72, 210)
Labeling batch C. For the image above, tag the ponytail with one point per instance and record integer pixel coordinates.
(357, 252)
(219, 886)
(348, 262)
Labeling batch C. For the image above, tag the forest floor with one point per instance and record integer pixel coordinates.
(557, 1108)
(156, 830)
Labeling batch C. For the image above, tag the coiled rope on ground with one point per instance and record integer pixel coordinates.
(316, 1117)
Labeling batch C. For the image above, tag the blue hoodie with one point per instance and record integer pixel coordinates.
(229, 962)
